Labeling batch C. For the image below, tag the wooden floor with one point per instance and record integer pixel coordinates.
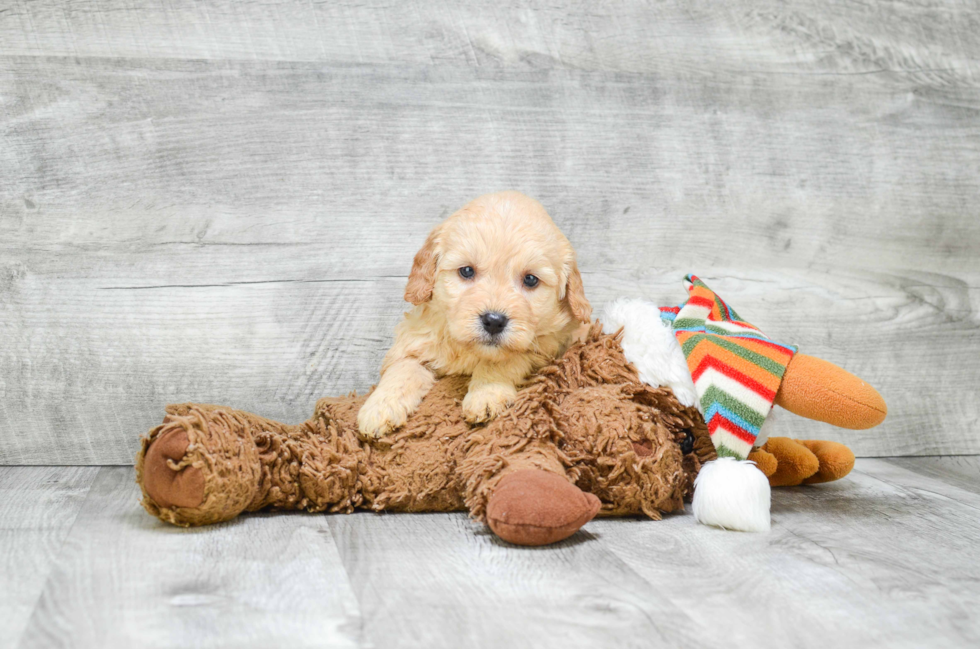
(886, 557)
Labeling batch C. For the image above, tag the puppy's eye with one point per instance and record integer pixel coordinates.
(530, 281)
(467, 272)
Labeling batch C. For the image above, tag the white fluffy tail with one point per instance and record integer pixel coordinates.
(733, 495)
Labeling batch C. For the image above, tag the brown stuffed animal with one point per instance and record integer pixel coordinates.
(615, 425)
(585, 435)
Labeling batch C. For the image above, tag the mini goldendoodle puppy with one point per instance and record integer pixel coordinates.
(497, 295)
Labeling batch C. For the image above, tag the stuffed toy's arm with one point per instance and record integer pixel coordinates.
(518, 486)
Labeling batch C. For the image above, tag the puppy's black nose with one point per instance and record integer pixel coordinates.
(493, 322)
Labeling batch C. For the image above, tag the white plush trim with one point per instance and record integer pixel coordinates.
(650, 345)
(733, 495)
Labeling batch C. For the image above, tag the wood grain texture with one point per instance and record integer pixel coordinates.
(220, 201)
(38, 506)
(929, 40)
(108, 370)
(125, 579)
(440, 580)
(962, 471)
(885, 557)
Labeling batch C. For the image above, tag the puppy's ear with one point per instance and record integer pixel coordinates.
(575, 295)
(423, 276)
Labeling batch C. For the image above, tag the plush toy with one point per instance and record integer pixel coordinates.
(712, 358)
(584, 434)
(616, 426)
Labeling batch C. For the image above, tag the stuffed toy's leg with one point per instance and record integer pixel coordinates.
(206, 464)
(537, 507)
(624, 449)
(520, 488)
(200, 466)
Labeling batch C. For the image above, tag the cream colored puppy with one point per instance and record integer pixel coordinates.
(497, 295)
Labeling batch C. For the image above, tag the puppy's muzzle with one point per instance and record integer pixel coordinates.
(494, 322)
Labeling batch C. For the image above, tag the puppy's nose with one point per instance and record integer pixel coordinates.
(493, 322)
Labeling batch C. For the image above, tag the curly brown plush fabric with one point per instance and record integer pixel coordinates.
(590, 418)
(586, 418)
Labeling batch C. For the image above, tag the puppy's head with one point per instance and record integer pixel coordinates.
(502, 274)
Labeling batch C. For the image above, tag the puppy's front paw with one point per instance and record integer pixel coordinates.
(381, 414)
(485, 402)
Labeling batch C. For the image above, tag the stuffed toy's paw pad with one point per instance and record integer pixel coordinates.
(534, 507)
(183, 487)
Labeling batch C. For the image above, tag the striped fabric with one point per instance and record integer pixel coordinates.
(736, 368)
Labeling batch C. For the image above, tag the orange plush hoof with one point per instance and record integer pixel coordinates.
(836, 460)
(764, 461)
(790, 462)
(817, 389)
(795, 462)
(535, 507)
(167, 487)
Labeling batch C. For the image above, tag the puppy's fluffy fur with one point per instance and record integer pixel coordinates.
(503, 237)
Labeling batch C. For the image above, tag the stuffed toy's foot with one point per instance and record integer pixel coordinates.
(536, 507)
(199, 467)
(836, 460)
(167, 480)
(790, 462)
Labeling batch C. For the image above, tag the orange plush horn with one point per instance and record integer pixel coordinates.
(818, 389)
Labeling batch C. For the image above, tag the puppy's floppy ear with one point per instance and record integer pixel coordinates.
(423, 276)
(575, 295)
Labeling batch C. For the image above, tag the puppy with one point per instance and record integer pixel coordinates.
(497, 295)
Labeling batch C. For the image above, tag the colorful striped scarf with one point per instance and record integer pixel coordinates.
(736, 368)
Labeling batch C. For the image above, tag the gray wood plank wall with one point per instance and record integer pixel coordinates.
(220, 201)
